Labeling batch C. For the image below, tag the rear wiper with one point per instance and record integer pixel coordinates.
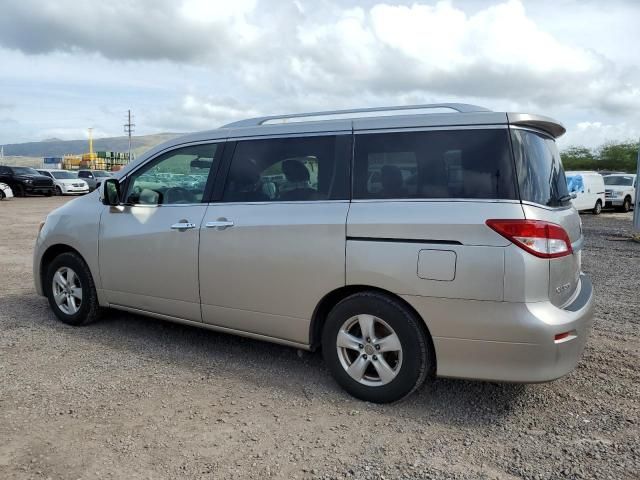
(564, 198)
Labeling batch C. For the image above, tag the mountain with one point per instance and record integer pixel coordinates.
(58, 148)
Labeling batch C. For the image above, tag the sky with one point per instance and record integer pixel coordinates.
(188, 65)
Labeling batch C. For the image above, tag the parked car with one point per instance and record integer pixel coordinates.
(468, 268)
(66, 182)
(620, 190)
(587, 191)
(93, 177)
(23, 180)
(5, 191)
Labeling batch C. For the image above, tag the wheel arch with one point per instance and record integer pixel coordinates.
(50, 254)
(334, 297)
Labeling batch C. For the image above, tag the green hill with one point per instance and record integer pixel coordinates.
(58, 148)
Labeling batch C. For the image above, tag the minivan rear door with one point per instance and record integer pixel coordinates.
(421, 198)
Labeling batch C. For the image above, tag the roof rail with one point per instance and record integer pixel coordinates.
(457, 107)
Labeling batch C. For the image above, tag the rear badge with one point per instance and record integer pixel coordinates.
(562, 288)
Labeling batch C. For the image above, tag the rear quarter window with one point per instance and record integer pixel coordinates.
(474, 163)
(541, 178)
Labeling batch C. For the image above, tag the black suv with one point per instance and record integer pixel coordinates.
(23, 180)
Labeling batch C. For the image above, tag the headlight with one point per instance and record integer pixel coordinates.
(28, 180)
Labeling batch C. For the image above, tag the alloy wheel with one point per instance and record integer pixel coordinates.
(369, 350)
(67, 290)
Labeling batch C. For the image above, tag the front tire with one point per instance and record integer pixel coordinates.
(71, 291)
(58, 191)
(597, 210)
(376, 348)
(626, 205)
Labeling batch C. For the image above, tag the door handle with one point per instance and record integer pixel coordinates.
(220, 224)
(183, 226)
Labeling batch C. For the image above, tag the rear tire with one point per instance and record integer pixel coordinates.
(597, 210)
(70, 289)
(376, 348)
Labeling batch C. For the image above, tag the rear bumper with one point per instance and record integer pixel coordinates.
(503, 341)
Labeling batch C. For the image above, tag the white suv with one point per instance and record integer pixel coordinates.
(66, 182)
(620, 190)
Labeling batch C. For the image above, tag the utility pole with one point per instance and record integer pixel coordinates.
(129, 128)
(636, 207)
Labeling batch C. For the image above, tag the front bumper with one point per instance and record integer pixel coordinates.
(75, 190)
(38, 189)
(504, 341)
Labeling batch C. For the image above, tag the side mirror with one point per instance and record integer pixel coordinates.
(110, 192)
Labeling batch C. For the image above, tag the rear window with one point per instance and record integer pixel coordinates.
(541, 177)
(434, 164)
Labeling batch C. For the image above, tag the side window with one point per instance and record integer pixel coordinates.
(82, 175)
(177, 177)
(4, 171)
(288, 170)
(434, 164)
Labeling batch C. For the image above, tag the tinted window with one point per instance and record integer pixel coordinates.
(540, 174)
(177, 177)
(288, 170)
(434, 164)
(24, 171)
(84, 175)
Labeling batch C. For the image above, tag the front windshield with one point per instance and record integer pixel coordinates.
(100, 173)
(24, 171)
(619, 180)
(62, 175)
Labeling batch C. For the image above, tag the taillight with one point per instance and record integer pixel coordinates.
(539, 238)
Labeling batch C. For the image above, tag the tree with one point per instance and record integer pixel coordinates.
(610, 156)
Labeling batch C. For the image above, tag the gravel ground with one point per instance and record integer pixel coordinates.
(132, 398)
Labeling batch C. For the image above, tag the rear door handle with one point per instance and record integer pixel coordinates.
(221, 224)
(183, 226)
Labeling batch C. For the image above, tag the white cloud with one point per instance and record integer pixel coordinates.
(594, 133)
(190, 64)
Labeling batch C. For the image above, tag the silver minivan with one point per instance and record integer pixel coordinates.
(406, 244)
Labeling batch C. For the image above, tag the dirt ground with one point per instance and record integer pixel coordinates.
(134, 398)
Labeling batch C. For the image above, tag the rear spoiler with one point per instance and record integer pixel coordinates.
(539, 122)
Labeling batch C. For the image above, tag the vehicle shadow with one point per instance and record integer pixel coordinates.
(219, 356)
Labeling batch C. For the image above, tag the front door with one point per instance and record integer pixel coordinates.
(149, 245)
(274, 243)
